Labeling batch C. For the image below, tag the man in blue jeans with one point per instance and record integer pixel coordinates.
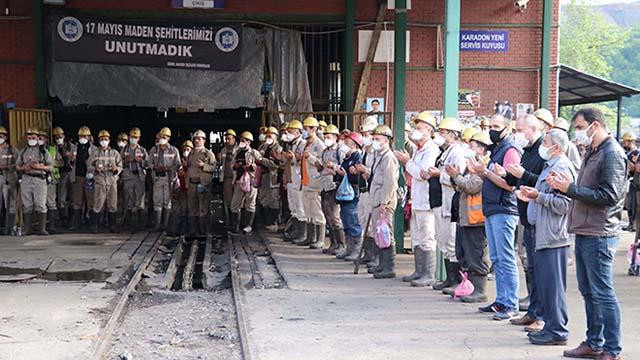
(598, 197)
(501, 217)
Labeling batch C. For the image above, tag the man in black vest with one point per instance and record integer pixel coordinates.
(501, 211)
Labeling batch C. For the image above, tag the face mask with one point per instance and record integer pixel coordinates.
(376, 145)
(104, 143)
(186, 153)
(344, 149)
(2, 140)
(520, 140)
(83, 141)
(243, 144)
(262, 137)
(495, 136)
(582, 137)
(439, 140)
(32, 142)
(133, 141)
(284, 138)
(543, 151)
(60, 141)
(329, 142)
(305, 134)
(269, 141)
(162, 141)
(122, 144)
(366, 141)
(40, 142)
(416, 135)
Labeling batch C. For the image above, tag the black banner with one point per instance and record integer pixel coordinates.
(158, 44)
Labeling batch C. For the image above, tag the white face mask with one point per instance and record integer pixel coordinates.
(416, 135)
(284, 138)
(269, 141)
(376, 145)
(582, 137)
(32, 142)
(366, 141)
(543, 151)
(104, 143)
(186, 153)
(345, 149)
(305, 134)
(40, 142)
(243, 144)
(262, 137)
(329, 142)
(2, 140)
(133, 141)
(122, 144)
(439, 140)
(60, 141)
(162, 141)
(520, 140)
(83, 141)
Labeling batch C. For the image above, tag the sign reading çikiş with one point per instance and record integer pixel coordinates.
(157, 44)
(484, 40)
(198, 4)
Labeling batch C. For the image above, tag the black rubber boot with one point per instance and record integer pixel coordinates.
(165, 219)
(388, 264)
(74, 221)
(311, 235)
(456, 279)
(94, 220)
(303, 228)
(28, 223)
(136, 221)
(193, 226)
(42, 224)
(479, 289)
(368, 245)
(112, 220)
(52, 216)
(237, 218)
(157, 220)
(378, 268)
(126, 219)
(448, 281)
(290, 229)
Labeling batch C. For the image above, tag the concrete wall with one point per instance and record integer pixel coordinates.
(513, 78)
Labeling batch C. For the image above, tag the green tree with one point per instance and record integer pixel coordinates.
(626, 69)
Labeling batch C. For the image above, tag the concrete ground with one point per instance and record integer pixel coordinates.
(327, 312)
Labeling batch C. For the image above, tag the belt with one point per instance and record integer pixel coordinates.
(43, 177)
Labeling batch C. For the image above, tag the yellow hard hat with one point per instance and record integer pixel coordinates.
(3, 130)
(272, 130)
(629, 136)
(295, 124)
(84, 131)
(468, 133)
(544, 115)
(426, 117)
(134, 132)
(43, 132)
(332, 129)
(165, 131)
(451, 124)
(104, 133)
(561, 124)
(187, 143)
(482, 137)
(230, 132)
(310, 122)
(33, 131)
(322, 123)
(383, 130)
(57, 131)
(247, 135)
(199, 133)
(123, 136)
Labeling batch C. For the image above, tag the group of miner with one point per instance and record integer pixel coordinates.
(482, 196)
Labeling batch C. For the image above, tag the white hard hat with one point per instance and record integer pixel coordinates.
(369, 124)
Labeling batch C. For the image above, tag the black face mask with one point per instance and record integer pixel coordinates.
(495, 136)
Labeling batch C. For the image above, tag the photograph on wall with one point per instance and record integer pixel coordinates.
(375, 105)
(468, 99)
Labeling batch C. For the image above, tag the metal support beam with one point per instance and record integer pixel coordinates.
(451, 57)
(619, 119)
(349, 58)
(38, 56)
(546, 53)
(399, 104)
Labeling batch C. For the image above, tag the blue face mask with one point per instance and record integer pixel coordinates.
(305, 134)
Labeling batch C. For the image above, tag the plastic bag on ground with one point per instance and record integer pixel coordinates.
(465, 288)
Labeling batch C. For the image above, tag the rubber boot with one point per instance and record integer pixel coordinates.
(376, 256)
(157, 221)
(28, 223)
(94, 220)
(428, 265)
(74, 221)
(332, 242)
(388, 264)
(126, 219)
(112, 220)
(456, 278)
(52, 216)
(193, 226)
(249, 224)
(289, 230)
(318, 243)
(136, 220)
(340, 242)
(357, 248)
(237, 218)
(378, 265)
(418, 264)
(448, 281)
(42, 224)
(165, 219)
(348, 249)
(368, 245)
(311, 235)
(183, 223)
(10, 223)
(479, 288)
